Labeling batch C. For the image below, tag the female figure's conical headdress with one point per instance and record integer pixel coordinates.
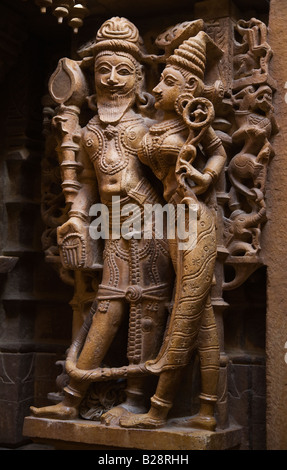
(191, 55)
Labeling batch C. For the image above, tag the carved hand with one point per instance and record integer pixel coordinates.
(71, 240)
(202, 180)
(73, 225)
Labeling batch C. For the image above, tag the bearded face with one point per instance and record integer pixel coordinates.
(116, 81)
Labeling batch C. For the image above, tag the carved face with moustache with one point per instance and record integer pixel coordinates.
(117, 80)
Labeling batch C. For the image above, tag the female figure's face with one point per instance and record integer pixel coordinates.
(169, 88)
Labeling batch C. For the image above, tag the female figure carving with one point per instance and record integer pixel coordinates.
(185, 153)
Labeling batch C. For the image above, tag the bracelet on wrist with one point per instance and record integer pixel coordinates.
(212, 173)
(80, 214)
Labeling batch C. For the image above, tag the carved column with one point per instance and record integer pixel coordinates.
(248, 79)
(220, 21)
(274, 242)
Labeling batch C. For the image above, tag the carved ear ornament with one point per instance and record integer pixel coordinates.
(182, 101)
(92, 102)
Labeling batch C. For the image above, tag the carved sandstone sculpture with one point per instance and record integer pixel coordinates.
(198, 123)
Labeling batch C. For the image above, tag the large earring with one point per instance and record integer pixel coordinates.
(92, 102)
(145, 103)
(182, 101)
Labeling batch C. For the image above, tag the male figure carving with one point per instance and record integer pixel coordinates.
(136, 271)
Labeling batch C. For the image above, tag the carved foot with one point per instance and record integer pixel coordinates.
(59, 411)
(199, 421)
(143, 421)
(114, 415)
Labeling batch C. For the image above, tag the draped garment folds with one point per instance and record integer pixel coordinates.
(194, 266)
(194, 275)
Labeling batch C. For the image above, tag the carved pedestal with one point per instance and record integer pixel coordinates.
(81, 434)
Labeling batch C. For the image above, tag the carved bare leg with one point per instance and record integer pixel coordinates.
(205, 418)
(134, 402)
(67, 409)
(161, 403)
(99, 338)
(153, 319)
(208, 349)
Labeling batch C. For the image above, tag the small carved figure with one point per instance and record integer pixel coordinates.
(254, 125)
(247, 170)
(252, 51)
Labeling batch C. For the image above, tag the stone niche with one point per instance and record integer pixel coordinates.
(44, 303)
